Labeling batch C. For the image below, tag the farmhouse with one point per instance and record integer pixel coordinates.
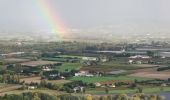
(84, 73)
(31, 87)
(78, 89)
(139, 56)
(103, 59)
(90, 59)
(139, 59)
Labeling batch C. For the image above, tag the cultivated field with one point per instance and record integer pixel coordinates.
(105, 78)
(69, 67)
(14, 60)
(151, 73)
(59, 81)
(8, 87)
(28, 80)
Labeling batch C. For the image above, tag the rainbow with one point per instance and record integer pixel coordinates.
(53, 20)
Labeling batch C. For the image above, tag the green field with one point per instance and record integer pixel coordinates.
(69, 56)
(105, 78)
(126, 91)
(54, 59)
(69, 66)
(61, 58)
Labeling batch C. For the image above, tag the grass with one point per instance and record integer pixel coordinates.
(69, 66)
(2, 85)
(105, 78)
(69, 56)
(54, 59)
(59, 82)
(50, 92)
(1, 67)
(124, 66)
(127, 91)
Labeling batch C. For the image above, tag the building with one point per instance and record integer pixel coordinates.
(78, 89)
(31, 87)
(139, 59)
(84, 73)
(90, 59)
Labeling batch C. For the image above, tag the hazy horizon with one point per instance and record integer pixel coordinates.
(113, 16)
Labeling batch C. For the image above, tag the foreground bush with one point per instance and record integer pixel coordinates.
(43, 96)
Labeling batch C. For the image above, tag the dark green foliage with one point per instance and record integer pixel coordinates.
(69, 97)
(139, 90)
(163, 68)
(51, 75)
(44, 96)
(29, 96)
(150, 53)
(106, 90)
(45, 84)
(10, 78)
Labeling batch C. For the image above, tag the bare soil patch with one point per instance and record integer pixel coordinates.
(151, 73)
(28, 80)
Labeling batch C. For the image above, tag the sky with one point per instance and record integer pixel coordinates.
(137, 15)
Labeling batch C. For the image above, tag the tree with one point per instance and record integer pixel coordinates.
(161, 88)
(122, 97)
(4, 78)
(84, 90)
(36, 97)
(43, 83)
(139, 90)
(150, 53)
(23, 86)
(160, 97)
(16, 78)
(106, 90)
(17, 68)
(89, 97)
(136, 97)
(153, 97)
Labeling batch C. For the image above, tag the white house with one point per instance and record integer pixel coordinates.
(139, 56)
(90, 58)
(31, 87)
(84, 73)
(78, 89)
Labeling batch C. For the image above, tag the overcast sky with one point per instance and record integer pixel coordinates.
(24, 15)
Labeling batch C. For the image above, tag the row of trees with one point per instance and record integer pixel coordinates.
(10, 79)
(43, 96)
(53, 46)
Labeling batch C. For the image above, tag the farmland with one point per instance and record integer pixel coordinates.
(106, 78)
(65, 72)
(14, 60)
(28, 80)
(151, 73)
(69, 67)
(131, 91)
